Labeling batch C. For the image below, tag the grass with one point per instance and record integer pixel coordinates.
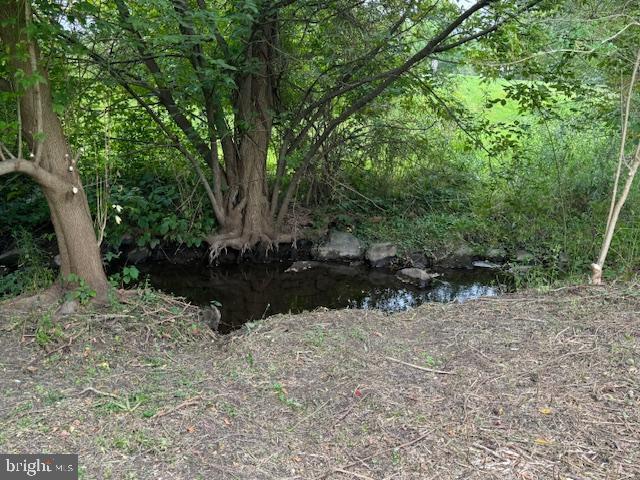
(474, 92)
(538, 384)
(547, 194)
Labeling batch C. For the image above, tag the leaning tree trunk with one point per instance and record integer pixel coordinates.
(53, 165)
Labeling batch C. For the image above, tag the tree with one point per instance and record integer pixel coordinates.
(51, 163)
(231, 83)
(585, 47)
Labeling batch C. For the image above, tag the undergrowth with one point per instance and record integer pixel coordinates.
(34, 270)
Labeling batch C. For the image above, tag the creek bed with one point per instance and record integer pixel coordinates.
(250, 291)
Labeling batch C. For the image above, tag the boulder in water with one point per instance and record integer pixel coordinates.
(301, 266)
(417, 276)
(462, 257)
(341, 246)
(381, 254)
(486, 264)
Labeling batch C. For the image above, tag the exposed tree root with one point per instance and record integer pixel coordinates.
(243, 242)
(31, 302)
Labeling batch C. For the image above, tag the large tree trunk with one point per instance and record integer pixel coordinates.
(54, 165)
(248, 215)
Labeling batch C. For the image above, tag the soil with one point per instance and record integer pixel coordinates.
(524, 386)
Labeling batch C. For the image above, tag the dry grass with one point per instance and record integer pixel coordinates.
(530, 387)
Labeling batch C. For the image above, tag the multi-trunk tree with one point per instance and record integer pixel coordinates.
(251, 92)
(43, 153)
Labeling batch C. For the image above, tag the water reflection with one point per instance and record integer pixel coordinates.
(399, 299)
(249, 291)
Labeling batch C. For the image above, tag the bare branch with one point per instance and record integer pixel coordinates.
(387, 79)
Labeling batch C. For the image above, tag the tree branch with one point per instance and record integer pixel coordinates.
(164, 93)
(388, 78)
(39, 174)
(482, 33)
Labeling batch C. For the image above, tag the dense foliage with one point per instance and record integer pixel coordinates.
(508, 141)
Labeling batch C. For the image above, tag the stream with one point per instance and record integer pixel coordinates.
(254, 291)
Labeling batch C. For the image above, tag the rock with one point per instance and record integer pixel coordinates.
(416, 276)
(10, 258)
(302, 266)
(522, 256)
(496, 254)
(69, 307)
(138, 255)
(341, 246)
(418, 260)
(381, 254)
(485, 264)
(461, 258)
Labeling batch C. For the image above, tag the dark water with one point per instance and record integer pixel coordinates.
(251, 292)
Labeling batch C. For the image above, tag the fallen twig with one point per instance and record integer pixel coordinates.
(187, 403)
(68, 344)
(353, 474)
(375, 454)
(97, 392)
(349, 410)
(424, 369)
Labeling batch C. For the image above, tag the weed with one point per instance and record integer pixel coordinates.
(395, 457)
(129, 275)
(47, 331)
(281, 393)
(52, 397)
(430, 361)
(249, 359)
(315, 337)
(126, 404)
(23, 407)
(83, 293)
(229, 409)
(358, 334)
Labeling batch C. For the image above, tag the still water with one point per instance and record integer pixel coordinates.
(252, 291)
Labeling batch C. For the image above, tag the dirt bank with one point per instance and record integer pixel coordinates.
(524, 387)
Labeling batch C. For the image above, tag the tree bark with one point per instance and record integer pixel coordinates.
(248, 216)
(53, 167)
